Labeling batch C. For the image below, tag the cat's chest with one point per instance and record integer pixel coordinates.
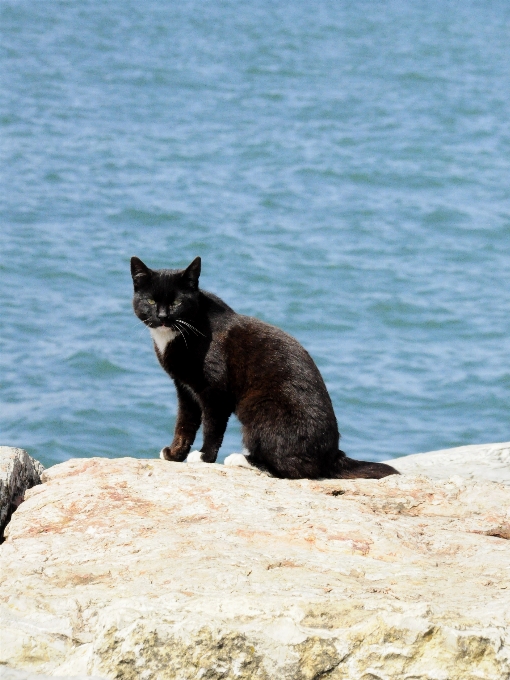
(162, 336)
(193, 363)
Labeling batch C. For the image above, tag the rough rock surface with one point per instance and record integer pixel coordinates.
(487, 462)
(145, 569)
(18, 472)
(16, 674)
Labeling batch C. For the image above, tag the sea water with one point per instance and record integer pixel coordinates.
(342, 168)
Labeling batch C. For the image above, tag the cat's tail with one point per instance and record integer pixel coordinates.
(348, 468)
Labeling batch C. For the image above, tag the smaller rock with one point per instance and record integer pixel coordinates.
(18, 472)
(478, 462)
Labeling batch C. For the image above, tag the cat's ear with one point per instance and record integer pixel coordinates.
(192, 273)
(140, 272)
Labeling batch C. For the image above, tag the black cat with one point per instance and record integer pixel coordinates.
(224, 363)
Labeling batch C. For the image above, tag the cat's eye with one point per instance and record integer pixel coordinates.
(151, 302)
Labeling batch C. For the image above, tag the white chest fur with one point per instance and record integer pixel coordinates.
(162, 336)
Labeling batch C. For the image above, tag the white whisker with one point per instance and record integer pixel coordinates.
(195, 330)
(181, 330)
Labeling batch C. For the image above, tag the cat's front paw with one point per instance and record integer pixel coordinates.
(165, 453)
(174, 453)
(194, 457)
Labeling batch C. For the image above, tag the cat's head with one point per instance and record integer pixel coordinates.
(164, 296)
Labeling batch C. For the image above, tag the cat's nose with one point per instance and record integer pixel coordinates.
(162, 315)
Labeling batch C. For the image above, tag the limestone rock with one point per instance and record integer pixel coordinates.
(138, 569)
(18, 472)
(486, 462)
(15, 674)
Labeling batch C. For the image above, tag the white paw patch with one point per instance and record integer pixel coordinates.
(194, 457)
(161, 454)
(237, 460)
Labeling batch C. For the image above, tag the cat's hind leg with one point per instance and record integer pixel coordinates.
(239, 460)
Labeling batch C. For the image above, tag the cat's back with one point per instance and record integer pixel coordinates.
(266, 361)
(255, 340)
(261, 364)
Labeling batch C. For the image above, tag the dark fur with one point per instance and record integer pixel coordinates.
(229, 363)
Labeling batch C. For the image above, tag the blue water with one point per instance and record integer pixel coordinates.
(342, 168)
